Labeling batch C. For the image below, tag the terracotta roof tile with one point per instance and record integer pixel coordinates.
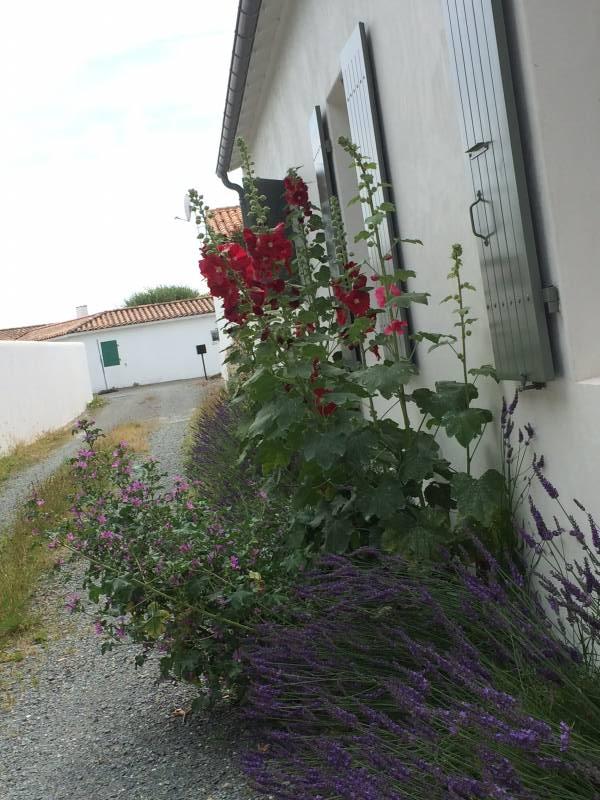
(152, 312)
(10, 334)
(226, 220)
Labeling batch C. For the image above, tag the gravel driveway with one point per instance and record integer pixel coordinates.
(84, 725)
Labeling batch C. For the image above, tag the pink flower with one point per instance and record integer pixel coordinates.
(395, 290)
(185, 547)
(40, 502)
(72, 602)
(398, 326)
(380, 296)
(98, 629)
(235, 562)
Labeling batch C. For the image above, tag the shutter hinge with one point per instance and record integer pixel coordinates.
(551, 299)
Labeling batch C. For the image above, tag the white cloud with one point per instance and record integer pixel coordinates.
(111, 112)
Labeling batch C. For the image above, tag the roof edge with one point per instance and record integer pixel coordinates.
(245, 31)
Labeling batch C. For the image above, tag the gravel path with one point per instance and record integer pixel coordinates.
(169, 404)
(84, 725)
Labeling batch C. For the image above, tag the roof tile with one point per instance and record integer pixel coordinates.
(227, 220)
(136, 315)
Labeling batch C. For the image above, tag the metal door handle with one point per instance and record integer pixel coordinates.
(486, 237)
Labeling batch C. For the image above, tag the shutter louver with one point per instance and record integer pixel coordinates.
(365, 132)
(500, 211)
(324, 174)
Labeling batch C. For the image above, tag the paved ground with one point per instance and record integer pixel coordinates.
(84, 725)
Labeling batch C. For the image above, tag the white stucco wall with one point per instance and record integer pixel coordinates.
(153, 353)
(44, 386)
(560, 63)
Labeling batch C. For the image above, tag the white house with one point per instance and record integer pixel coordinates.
(140, 345)
(484, 116)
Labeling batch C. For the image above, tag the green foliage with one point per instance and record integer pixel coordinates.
(170, 570)
(160, 294)
(308, 393)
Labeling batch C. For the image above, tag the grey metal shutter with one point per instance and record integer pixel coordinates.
(365, 131)
(325, 181)
(500, 211)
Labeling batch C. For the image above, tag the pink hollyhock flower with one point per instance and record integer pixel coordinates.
(398, 326)
(380, 296)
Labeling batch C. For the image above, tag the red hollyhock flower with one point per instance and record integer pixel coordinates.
(360, 282)
(296, 193)
(214, 269)
(316, 368)
(337, 289)
(374, 348)
(258, 295)
(341, 316)
(357, 301)
(269, 250)
(277, 286)
(324, 409)
(395, 290)
(398, 326)
(240, 261)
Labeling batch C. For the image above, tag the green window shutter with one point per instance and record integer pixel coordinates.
(365, 131)
(321, 147)
(110, 353)
(500, 210)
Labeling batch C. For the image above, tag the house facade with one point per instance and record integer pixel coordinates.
(141, 345)
(484, 116)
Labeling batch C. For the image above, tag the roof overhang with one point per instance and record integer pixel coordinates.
(256, 31)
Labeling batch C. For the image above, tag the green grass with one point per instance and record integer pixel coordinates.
(24, 455)
(96, 402)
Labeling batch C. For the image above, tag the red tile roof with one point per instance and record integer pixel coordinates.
(136, 315)
(226, 220)
(10, 334)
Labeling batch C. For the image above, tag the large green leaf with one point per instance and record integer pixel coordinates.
(405, 299)
(418, 536)
(480, 499)
(448, 396)
(262, 384)
(277, 417)
(337, 535)
(383, 500)
(419, 456)
(384, 379)
(466, 425)
(487, 370)
(324, 448)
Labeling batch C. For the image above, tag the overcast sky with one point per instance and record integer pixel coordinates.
(110, 112)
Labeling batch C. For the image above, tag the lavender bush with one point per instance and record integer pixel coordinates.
(213, 454)
(390, 684)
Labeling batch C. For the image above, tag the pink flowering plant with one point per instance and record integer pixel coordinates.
(165, 568)
(319, 338)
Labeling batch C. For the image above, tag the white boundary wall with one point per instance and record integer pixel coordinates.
(44, 385)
